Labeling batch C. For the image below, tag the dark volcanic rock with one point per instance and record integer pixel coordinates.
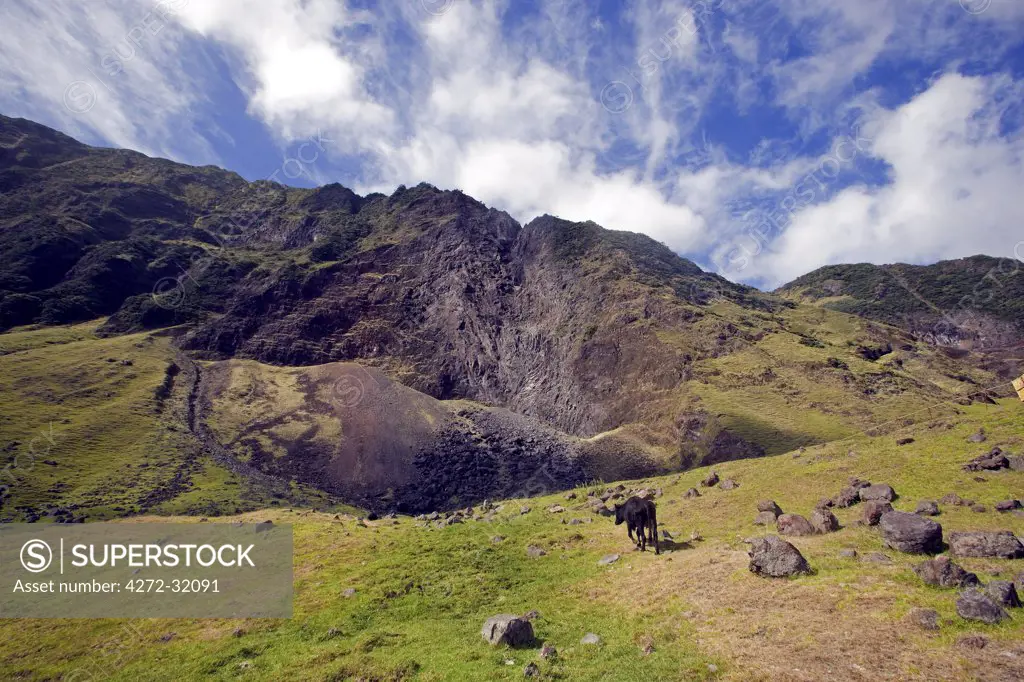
(691, 493)
(927, 508)
(1007, 505)
(995, 544)
(711, 480)
(769, 506)
(507, 628)
(847, 497)
(773, 557)
(765, 518)
(942, 572)
(824, 521)
(794, 524)
(873, 511)
(973, 604)
(910, 533)
(990, 462)
(877, 491)
(1004, 593)
(729, 484)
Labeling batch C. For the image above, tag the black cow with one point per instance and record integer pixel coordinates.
(639, 515)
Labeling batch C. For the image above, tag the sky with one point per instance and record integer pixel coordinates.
(760, 138)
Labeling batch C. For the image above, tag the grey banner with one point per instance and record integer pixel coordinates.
(145, 570)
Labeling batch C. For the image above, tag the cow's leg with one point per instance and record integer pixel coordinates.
(654, 533)
(643, 538)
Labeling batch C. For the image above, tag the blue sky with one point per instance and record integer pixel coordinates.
(761, 139)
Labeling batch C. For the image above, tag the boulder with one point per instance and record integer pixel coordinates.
(1004, 593)
(1018, 582)
(556, 509)
(953, 499)
(877, 491)
(942, 572)
(992, 461)
(606, 560)
(1007, 505)
(978, 437)
(979, 508)
(873, 511)
(876, 558)
(1015, 462)
(769, 506)
(711, 480)
(507, 628)
(993, 544)
(910, 533)
(729, 484)
(691, 493)
(973, 604)
(794, 524)
(824, 521)
(531, 670)
(904, 441)
(847, 497)
(927, 508)
(773, 557)
(764, 519)
(547, 651)
(535, 551)
(926, 619)
(848, 553)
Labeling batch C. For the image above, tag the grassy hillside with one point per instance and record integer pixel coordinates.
(423, 593)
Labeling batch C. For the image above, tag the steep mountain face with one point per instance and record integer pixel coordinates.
(631, 356)
(975, 302)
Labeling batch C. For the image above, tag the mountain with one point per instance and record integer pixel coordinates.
(480, 343)
(975, 302)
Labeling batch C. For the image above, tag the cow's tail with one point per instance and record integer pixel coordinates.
(654, 529)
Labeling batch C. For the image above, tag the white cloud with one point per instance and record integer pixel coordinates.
(954, 177)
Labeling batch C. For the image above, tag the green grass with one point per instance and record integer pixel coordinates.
(422, 593)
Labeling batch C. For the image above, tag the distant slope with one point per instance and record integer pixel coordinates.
(977, 301)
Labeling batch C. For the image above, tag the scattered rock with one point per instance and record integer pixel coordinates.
(994, 544)
(904, 441)
(556, 509)
(1003, 593)
(794, 525)
(773, 557)
(610, 559)
(876, 558)
(712, 668)
(953, 499)
(769, 506)
(237, 632)
(548, 652)
(507, 628)
(992, 461)
(978, 437)
(349, 593)
(691, 493)
(973, 604)
(824, 521)
(1018, 582)
(524, 510)
(497, 539)
(1015, 462)
(711, 480)
(764, 519)
(942, 572)
(927, 508)
(1007, 505)
(535, 551)
(848, 553)
(926, 619)
(168, 637)
(873, 511)
(847, 497)
(244, 665)
(877, 491)
(532, 614)
(972, 641)
(729, 484)
(531, 670)
(910, 533)
(590, 638)
(979, 508)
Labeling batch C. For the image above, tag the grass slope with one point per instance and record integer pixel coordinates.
(422, 594)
